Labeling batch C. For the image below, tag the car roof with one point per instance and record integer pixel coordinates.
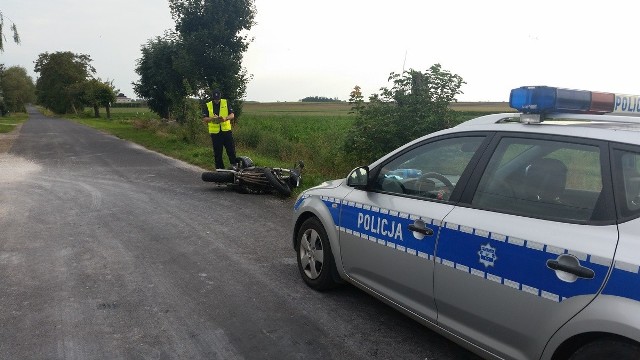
(616, 128)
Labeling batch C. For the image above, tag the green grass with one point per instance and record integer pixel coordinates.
(9, 122)
(285, 139)
(271, 134)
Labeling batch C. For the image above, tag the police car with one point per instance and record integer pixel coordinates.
(517, 235)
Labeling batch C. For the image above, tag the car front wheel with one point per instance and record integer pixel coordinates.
(315, 259)
(608, 349)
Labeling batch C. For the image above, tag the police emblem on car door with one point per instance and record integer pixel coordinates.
(528, 254)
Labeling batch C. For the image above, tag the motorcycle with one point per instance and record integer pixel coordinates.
(245, 177)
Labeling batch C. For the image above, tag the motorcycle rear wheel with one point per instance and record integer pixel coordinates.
(278, 184)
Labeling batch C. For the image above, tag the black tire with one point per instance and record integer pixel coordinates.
(315, 259)
(608, 349)
(280, 186)
(218, 176)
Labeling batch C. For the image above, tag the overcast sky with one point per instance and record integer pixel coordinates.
(324, 48)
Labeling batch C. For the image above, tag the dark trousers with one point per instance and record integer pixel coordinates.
(220, 140)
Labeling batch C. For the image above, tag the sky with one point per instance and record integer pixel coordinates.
(325, 48)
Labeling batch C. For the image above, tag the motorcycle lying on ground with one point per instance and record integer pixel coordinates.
(245, 177)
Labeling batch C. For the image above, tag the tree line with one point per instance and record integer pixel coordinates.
(66, 84)
(16, 87)
(203, 52)
(319, 99)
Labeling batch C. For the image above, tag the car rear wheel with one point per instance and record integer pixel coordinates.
(315, 259)
(608, 349)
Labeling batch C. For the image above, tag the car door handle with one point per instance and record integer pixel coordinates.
(422, 230)
(577, 270)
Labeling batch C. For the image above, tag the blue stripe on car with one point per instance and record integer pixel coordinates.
(513, 255)
(624, 281)
(517, 265)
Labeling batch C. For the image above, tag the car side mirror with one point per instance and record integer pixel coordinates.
(359, 177)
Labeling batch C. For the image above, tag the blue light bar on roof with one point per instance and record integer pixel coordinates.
(545, 99)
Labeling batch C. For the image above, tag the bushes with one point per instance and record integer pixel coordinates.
(416, 105)
(287, 138)
(274, 145)
(249, 137)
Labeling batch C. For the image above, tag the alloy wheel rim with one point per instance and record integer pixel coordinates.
(311, 254)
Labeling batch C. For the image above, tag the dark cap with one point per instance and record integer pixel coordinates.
(216, 95)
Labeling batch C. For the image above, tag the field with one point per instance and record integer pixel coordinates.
(315, 132)
(297, 108)
(271, 134)
(342, 109)
(488, 107)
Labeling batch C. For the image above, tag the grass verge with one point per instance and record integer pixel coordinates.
(9, 122)
(274, 135)
(268, 139)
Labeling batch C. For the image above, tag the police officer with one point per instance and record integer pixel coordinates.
(218, 115)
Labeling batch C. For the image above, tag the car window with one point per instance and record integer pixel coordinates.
(630, 170)
(542, 178)
(430, 170)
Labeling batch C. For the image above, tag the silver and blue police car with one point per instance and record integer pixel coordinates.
(516, 235)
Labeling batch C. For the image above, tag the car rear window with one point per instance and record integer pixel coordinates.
(542, 179)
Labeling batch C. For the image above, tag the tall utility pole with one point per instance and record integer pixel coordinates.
(405, 60)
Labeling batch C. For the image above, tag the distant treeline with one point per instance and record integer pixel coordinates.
(320, 99)
(132, 104)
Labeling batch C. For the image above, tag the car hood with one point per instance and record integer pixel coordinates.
(331, 184)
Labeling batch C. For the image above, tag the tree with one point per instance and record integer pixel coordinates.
(417, 104)
(356, 100)
(213, 38)
(98, 93)
(160, 81)
(62, 74)
(17, 88)
(14, 30)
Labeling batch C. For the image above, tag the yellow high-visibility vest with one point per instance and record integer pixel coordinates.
(224, 112)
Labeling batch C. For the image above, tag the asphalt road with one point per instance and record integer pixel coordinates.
(111, 251)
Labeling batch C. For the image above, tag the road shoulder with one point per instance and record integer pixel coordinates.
(7, 139)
